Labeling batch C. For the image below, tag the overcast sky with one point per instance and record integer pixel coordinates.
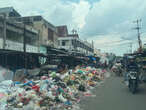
(109, 23)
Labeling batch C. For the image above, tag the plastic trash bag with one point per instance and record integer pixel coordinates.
(5, 86)
(5, 74)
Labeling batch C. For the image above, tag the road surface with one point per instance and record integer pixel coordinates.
(114, 95)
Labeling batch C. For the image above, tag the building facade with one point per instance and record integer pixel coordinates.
(62, 31)
(37, 33)
(73, 43)
(47, 31)
(12, 36)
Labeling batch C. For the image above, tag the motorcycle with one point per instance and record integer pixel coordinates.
(133, 81)
(117, 71)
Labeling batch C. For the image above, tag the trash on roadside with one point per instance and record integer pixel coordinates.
(54, 91)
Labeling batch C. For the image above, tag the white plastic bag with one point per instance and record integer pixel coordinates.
(5, 74)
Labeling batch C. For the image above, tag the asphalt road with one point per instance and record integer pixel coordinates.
(114, 95)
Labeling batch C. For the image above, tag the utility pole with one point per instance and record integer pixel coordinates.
(138, 32)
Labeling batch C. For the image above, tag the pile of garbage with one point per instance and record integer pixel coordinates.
(5, 74)
(53, 91)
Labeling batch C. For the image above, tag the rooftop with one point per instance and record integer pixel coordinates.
(36, 19)
(9, 10)
(73, 35)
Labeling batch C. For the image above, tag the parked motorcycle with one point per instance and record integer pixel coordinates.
(133, 80)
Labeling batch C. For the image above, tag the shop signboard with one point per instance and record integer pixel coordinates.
(43, 49)
(31, 49)
(11, 45)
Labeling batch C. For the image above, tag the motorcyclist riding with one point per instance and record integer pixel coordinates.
(132, 65)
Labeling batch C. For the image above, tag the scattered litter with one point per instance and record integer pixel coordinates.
(54, 91)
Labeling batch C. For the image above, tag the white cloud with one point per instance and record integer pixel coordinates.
(55, 11)
(4, 3)
(80, 12)
(108, 17)
(108, 14)
(107, 21)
